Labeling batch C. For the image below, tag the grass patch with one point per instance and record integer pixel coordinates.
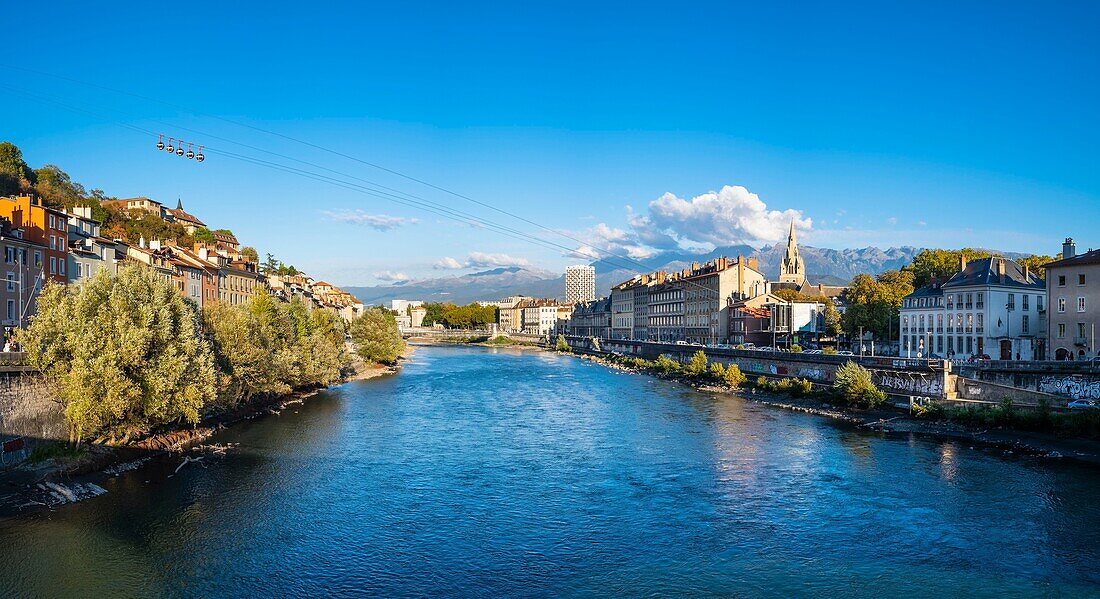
(56, 451)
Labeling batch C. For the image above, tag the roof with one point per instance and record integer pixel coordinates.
(983, 271)
(754, 312)
(930, 290)
(1086, 259)
(180, 215)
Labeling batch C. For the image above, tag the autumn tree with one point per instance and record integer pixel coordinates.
(15, 175)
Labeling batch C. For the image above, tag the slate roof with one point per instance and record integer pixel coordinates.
(1085, 259)
(983, 271)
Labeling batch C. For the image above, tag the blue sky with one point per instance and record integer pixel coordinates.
(927, 124)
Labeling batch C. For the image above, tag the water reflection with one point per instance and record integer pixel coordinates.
(505, 472)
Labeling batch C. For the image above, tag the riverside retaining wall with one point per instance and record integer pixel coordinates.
(1065, 380)
(27, 409)
(897, 376)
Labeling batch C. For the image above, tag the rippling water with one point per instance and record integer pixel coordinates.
(482, 472)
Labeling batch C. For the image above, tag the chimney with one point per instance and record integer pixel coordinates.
(1027, 273)
(740, 277)
(141, 242)
(154, 244)
(694, 266)
(962, 262)
(1069, 249)
(754, 263)
(1001, 269)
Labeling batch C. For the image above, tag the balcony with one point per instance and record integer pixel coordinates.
(1080, 341)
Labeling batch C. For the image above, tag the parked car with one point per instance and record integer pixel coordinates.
(812, 351)
(681, 343)
(1084, 404)
(844, 352)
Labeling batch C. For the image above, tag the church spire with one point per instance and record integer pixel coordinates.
(791, 243)
(179, 206)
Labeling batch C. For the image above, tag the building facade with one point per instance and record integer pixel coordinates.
(580, 284)
(1073, 291)
(991, 307)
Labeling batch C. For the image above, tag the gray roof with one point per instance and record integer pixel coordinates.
(930, 290)
(983, 271)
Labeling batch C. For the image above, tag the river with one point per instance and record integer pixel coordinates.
(497, 472)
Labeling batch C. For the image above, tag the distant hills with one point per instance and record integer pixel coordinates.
(829, 266)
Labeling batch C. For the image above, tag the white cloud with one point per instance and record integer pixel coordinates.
(730, 216)
(479, 260)
(921, 223)
(391, 276)
(378, 222)
(893, 220)
(448, 263)
(482, 260)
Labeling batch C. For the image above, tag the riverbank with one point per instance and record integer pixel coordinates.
(888, 419)
(73, 476)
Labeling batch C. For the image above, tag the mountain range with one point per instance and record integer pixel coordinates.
(823, 265)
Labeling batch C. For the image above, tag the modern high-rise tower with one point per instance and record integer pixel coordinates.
(580, 284)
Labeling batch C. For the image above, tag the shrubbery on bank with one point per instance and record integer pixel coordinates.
(127, 353)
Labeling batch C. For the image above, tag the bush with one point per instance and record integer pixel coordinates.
(717, 371)
(562, 345)
(802, 387)
(762, 383)
(932, 410)
(828, 351)
(666, 365)
(796, 349)
(854, 384)
(697, 367)
(733, 376)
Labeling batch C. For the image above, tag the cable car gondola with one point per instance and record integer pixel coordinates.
(190, 154)
(160, 142)
(199, 156)
(169, 147)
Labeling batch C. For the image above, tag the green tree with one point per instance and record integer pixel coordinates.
(250, 254)
(124, 352)
(244, 351)
(376, 336)
(855, 384)
(15, 175)
(874, 302)
(562, 345)
(57, 189)
(833, 320)
(1037, 264)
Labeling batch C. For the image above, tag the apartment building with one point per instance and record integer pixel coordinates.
(707, 289)
(22, 279)
(42, 226)
(580, 283)
(1073, 291)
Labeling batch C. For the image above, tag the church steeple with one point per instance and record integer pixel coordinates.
(792, 269)
(179, 206)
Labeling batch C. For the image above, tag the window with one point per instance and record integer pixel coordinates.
(1061, 304)
(939, 324)
(1024, 325)
(1080, 279)
(11, 281)
(969, 301)
(1061, 280)
(1062, 331)
(969, 345)
(1039, 303)
(969, 323)
(53, 242)
(980, 322)
(1081, 304)
(950, 301)
(9, 254)
(1011, 301)
(61, 265)
(1023, 300)
(51, 222)
(11, 309)
(1080, 329)
(53, 265)
(981, 301)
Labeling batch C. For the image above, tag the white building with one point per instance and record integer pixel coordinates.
(991, 306)
(402, 306)
(539, 316)
(580, 284)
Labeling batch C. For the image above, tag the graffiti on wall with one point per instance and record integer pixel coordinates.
(816, 374)
(1074, 387)
(912, 383)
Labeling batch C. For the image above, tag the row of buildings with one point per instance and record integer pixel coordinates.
(723, 301)
(41, 244)
(997, 308)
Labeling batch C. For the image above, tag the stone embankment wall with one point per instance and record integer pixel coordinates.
(897, 376)
(27, 409)
(1064, 381)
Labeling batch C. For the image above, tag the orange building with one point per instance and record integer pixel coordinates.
(42, 225)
